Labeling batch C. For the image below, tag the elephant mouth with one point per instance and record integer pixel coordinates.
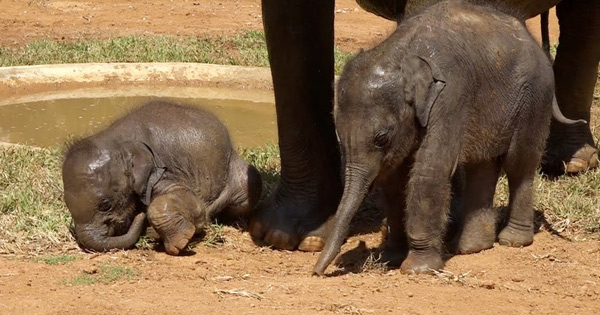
(120, 226)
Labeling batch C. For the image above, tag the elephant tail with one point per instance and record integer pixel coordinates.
(558, 115)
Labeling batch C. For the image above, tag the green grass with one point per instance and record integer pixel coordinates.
(570, 204)
(246, 49)
(106, 273)
(266, 160)
(214, 235)
(34, 219)
(56, 260)
(145, 243)
(33, 216)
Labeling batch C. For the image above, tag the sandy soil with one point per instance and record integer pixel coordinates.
(553, 276)
(23, 21)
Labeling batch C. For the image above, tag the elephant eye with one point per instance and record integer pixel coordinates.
(381, 139)
(104, 205)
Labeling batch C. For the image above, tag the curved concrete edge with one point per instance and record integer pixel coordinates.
(144, 91)
(18, 145)
(241, 77)
(24, 84)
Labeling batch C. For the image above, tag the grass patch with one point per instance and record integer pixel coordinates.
(145, 243)
(214, 235)
(267, 161)
(35, 220)
(104, 274)
(33, 216)
(56, 260)
(569, 204)
(246, 49)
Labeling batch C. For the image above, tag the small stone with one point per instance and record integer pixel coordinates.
(91, 270)
(488, 285)
(410, 294)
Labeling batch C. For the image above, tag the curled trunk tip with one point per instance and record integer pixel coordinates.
(87, 237)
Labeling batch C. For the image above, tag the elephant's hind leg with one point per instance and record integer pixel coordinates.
(520, 164)
(169, 215)
(478, 216)
(245, 189)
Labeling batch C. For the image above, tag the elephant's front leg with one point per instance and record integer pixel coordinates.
(299, 38)
(170, 215)
(428, 204)
(576, 72)
(393, 199)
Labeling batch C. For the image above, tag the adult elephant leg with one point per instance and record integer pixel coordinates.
(300, 43)
(576, 71)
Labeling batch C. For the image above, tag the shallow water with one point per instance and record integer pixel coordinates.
(50, 123)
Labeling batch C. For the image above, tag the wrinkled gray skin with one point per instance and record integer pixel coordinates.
(183, 155)
(456, 85)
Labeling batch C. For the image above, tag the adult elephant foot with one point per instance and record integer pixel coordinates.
(583, 159)
(569, 150)
(287, 222)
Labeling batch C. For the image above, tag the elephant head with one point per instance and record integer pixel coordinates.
(105, 188)
(382, 107)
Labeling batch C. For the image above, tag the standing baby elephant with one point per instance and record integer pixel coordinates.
(456, 84)
(174, 163)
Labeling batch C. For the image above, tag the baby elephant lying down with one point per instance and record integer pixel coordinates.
(458, 85)
(172, 163)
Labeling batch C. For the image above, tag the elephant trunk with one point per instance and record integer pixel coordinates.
(88, 237)
(357, 183)
(558, 115)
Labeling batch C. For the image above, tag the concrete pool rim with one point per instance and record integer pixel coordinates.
(22, 84)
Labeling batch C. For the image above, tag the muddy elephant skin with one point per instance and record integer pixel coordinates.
(170, 163)
(458, 85)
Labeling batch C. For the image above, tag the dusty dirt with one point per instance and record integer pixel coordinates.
(23, 21)
(552, 276)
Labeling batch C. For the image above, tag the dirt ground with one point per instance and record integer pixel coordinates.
(22, 21)
(555, 275)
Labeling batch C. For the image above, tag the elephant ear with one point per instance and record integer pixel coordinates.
(146, 169)
(424, 83)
